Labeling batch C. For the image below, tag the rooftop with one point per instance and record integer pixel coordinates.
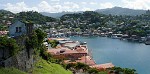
(87, 60)
(72, 44)
(104, 66)
(58, 39)
(3, 32)
(56, 51)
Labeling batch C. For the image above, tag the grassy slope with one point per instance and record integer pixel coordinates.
(42, 67)
(11, 71)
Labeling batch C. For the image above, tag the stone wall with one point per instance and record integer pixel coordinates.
(4, 54)
(22, 61)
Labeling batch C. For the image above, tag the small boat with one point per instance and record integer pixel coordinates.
(147, 42)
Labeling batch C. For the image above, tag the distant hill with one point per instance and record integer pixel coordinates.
(113, 11)
(5, 12)
(121, 11)
(57, 15)
(34, 17)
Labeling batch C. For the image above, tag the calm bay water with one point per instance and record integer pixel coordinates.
(121, 53)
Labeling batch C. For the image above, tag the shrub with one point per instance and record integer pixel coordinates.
(93, 71)
(53, 43)
(9, 44)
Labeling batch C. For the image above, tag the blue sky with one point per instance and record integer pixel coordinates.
(70, 5)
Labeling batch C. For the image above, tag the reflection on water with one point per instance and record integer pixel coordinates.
(120, 53)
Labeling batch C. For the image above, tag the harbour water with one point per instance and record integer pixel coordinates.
(121, 53)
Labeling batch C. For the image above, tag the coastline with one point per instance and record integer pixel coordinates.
(76, 51)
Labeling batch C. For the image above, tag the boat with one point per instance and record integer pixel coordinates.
(147, 42)
(116, 36)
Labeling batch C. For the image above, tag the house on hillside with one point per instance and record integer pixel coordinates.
(3, 33)
(19, 28)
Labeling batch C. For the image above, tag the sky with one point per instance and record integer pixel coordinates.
(53, 6)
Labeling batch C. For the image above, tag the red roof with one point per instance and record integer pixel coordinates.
(66, 51)
(70, 52)
(3, 32)
(87, 60)
(80, 50)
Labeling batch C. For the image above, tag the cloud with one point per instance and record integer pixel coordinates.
(137, 4)
(43, 6)
(93, 3)
(106, 5)
(72, 5)
(18, 7)
(55, 0)
(86, 9)
(83, 3)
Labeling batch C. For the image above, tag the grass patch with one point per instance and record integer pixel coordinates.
(43, 67)
(103, 72)
(11, 71)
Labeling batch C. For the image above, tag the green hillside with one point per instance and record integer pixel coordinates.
(11, 71)
(42, 67)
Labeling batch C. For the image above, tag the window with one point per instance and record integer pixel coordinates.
(18, 29)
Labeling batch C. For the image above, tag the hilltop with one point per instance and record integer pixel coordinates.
(107, 11)
(57, 15)
(121, 11)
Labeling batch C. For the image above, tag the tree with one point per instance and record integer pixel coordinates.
(93, 71)
(81, 66)
(35, 17)
(124, 70)
(40, 35)
(9, 44)
(53, 43)
(32, 41)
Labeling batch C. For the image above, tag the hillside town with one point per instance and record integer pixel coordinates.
(88, 23)
(69, 51)
(25, 30)
(72, 51)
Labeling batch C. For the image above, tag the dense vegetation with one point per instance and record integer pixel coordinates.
(11, 71)
(53, 43)
(77, 67)
(89, 21)
(30, 16)
(5, 18)
(9, 44)
(121, 11)
(34, 17)
(45, 63)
